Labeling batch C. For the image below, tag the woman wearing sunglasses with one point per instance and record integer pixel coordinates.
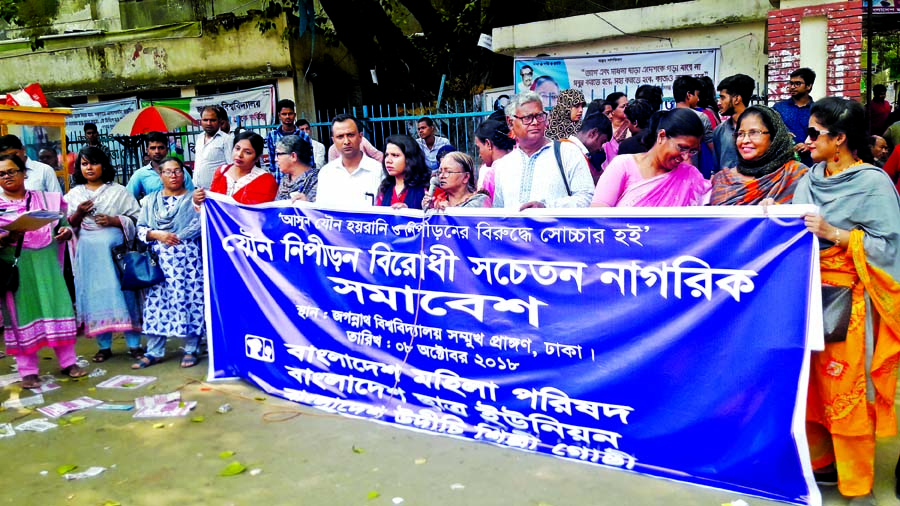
(663, 176)
(852, 382)
(766, 166)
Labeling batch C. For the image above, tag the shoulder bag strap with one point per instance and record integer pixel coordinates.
(556, 145)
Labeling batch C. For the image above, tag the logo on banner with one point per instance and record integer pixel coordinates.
(259, 348)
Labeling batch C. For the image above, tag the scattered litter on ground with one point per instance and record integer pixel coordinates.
(232, 469)
(165, 410)
(25, 402)
(156, 400)
(226, 454)
(357, 449)
(419, 462)
(61, 470)
(6, 430)
(9, 379)
(457, 486)
(82, 362)
(38, 425)
(44, 473)
(89, 473)
(61, 408)
(46, 387)
(254, 472)
(115, 407)
(374, 494)
(198, 419)
(224, 408)
(739, 502)
(97, 373)
(126, 382)
(111, 503)
(397, 500)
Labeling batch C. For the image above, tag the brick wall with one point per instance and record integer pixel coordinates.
(845, 35)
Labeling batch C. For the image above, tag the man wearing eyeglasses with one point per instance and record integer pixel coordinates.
(532, 175)
(795, 111)
(38, 176)
(146, 180)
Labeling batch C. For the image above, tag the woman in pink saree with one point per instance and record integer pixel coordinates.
(661, 177)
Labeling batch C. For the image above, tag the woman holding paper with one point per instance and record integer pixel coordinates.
(103, 213)
(170, 224)
(39, 314)
(852, 382)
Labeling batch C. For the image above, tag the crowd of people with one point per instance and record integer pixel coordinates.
(713, 148)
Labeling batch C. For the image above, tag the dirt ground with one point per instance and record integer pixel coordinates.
(296, 455)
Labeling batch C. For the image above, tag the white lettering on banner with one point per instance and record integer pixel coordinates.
(545, 273)
(500, 363)
(631, 233)
(567, 235)
(558, 349)
(491, 233)
(438, 352)
(295, 220)
(250, 245)
(505, 343)
(310, 354)
(308, 311)
(608, 457)
(441, 261)
(364, 337)
(355, 320)
(329, 224)
(457, 408)
(447, 231)
(562, 403)
(514, 439)
(429, 420)
(377, 227)
(345, 384)
(468, 303)
(337, 256)
(452, 382)
(468, 337)
(538, 423)
(400, 327)
(335, 405)
(699, 279)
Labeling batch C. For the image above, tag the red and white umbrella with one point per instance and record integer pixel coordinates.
(152, 119)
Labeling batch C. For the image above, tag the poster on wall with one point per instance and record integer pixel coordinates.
(495, 99)
(255, 106)
(103, 114)
(599, 75)
(883, 6)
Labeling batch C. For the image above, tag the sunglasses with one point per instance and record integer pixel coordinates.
(814, 134)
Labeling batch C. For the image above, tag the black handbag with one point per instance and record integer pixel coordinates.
(9, 271)
(137, 265)
(837, 302)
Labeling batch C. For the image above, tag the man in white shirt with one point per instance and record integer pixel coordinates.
(212, 149)
(530, 176)
(352, 180)
(429, 142)
(38, 176)
(318, 147)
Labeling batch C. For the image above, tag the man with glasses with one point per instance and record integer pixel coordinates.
(38, 176)
(146, 180)
(539, 173)
(527, 75)
(795, 110)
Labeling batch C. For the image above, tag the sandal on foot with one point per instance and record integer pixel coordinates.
(190, 360)
(73, 371)
(102, 355)
(31, 381)
(136, 353)
(145, 362)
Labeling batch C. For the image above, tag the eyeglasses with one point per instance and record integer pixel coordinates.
(753, 135)
(687, 151)
(814, 133)
(794, 84)
(170, 172)
(530, 118)
(451, 172)
(9, 173)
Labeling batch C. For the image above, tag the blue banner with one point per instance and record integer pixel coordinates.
(674, 346)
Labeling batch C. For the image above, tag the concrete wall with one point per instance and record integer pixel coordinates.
(738, 28)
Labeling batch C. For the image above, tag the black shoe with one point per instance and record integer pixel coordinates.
(827, 478)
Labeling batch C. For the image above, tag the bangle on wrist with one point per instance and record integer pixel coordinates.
(837, 236)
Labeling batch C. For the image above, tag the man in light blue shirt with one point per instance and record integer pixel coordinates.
(146, 180)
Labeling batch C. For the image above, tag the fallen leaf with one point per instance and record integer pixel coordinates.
(111, 503)
(66, 468)
(198, 419)
(373, 495)
(159, 425)
(76, 419)
(205, 389)
(233, 469)
(260, 398)
(181, 404)
(420, 461)
(544, 503)
(357, 449)
(92, 389)
(226, 454)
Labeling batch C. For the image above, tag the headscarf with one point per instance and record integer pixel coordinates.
(560, 125)
(182, 219)
(781, 145)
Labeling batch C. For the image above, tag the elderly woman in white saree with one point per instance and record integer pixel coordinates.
(103, 213)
